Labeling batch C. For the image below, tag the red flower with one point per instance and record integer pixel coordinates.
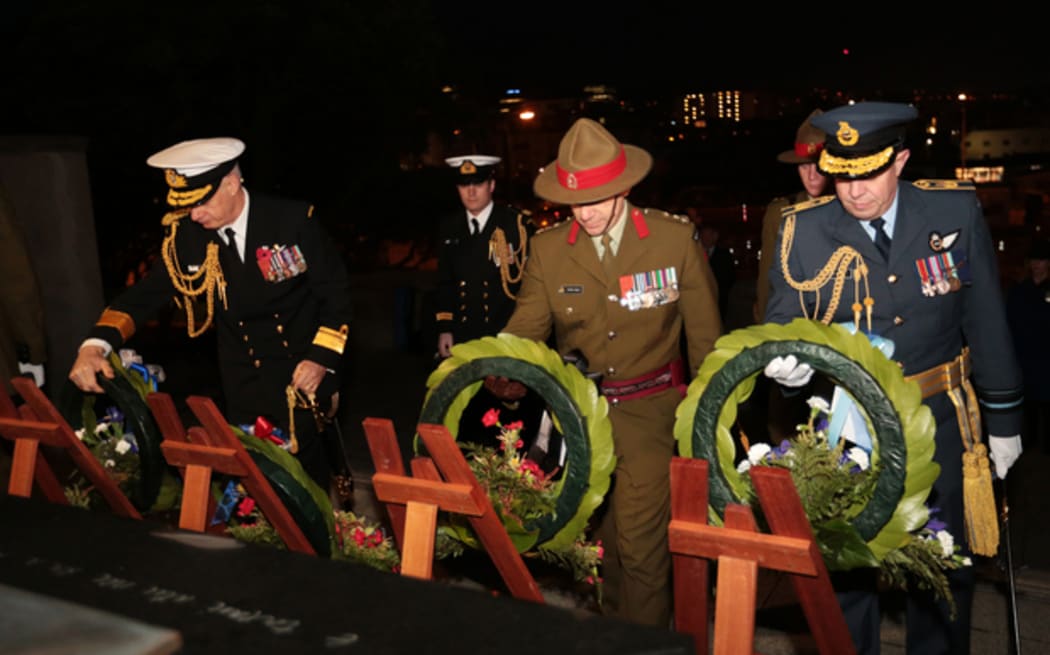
(246, 507)
(490, 418)
(359, 536)
(516, 425)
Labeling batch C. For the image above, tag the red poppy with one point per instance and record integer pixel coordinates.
(490, 418)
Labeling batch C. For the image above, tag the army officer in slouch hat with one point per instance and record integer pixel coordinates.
(618, 284)
(261, 271)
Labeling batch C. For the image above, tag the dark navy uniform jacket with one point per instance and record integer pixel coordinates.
(926, 330)
(471, 302)
(269, 327)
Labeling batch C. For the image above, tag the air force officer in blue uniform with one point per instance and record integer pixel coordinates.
(934, 284)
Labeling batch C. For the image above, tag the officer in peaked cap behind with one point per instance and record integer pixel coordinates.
(934, 285)
(482, 250)
(264, 274)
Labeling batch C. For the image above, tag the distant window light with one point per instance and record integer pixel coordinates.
(514, 92)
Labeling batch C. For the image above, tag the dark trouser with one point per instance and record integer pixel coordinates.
(930, 628)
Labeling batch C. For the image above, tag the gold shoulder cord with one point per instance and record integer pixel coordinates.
(837, 265)
(209, 278)
(499, 248)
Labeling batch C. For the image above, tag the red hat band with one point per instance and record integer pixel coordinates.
(808, 149)
(593, 177)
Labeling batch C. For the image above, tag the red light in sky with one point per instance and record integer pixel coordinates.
(845, 51)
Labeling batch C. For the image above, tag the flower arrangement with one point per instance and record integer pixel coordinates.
(520, 492)
(123, 438)
(834, 483)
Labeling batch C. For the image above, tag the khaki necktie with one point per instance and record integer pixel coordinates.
(607, 256)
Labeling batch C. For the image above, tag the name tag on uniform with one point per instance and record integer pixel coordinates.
(279, 263)
(649, 289)
(571, 288)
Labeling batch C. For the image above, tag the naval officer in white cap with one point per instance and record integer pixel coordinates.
(260, 271)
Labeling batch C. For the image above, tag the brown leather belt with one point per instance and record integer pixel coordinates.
(663, 378)
(954, 378)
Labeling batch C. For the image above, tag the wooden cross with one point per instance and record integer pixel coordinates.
(38, 422)
(213, 447)
(442, 481)
(739, 550)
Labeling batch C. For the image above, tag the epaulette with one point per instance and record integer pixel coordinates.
(550, 227)
(944, 185)
(659, 213)
(806, 204)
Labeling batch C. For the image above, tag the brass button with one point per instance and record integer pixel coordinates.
(257, 363)
(612, 334)
(897, 320)
(284, 343)
(251, 351)
(614, 401)
(568, 310)
(280, 329)
(892, 278)
(613, 298)
(610, 370)
(246, 338)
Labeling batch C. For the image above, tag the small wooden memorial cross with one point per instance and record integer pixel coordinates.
(740, 549)
(413, 502)
(37, 422)
(214, 447)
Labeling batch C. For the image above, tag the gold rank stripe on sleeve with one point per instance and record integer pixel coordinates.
(807, 204)
(944, 185)
(119, 321)
(443, 316)
(334, 340)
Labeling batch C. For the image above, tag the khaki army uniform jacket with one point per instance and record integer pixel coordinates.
(565, 289)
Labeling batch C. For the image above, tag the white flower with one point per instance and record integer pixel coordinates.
(758, 452)
(110, 464)
(743, 467)
(80, 433)
(966, 561)
(947, 542)
(858, 456)
(122, 446)
(101, 427)
(816, 402)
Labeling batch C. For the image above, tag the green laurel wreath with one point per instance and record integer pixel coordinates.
(903, 426)
(577, 410)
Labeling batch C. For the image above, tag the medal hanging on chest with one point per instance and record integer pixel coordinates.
(649, 289)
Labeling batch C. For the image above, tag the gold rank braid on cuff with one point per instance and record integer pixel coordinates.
(209, 278)
(499, 248)
(838, 266)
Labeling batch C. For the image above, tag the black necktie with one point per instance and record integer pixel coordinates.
(475, 227)
(231, 239)
(882, 240)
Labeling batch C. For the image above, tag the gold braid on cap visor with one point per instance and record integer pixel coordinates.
(191, 197)
(832, 165)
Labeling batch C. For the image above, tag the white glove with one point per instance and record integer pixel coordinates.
(789, 372)
(36, 371)
(1005, 451)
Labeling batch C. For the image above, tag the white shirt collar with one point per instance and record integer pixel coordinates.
(483, 217)
(890, 217)
(240, 226)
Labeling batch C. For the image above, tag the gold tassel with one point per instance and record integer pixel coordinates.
(982, 524)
